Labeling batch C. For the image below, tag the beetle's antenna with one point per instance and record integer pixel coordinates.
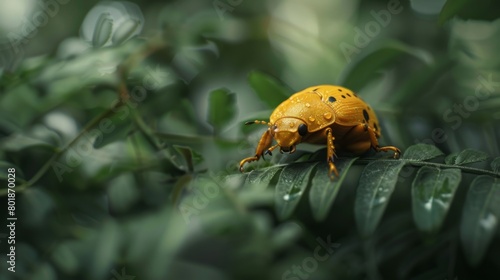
(256, 122)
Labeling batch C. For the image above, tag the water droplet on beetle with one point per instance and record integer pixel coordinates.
(312, 119)
(327, 115)
(308, 105)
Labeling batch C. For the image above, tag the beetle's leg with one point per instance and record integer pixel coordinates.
(264, 143)
(330, 148)
(375, 145)
(269, 151)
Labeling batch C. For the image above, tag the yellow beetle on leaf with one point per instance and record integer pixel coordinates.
(324, 114)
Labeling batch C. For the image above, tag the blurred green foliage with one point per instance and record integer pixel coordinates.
(125, 129)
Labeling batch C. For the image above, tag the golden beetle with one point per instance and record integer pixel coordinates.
(323, 114)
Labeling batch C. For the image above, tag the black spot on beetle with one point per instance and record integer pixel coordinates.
(365, 114)
(332, 99)
(302, 129)
(315, 89)
(348, 95)
(343, 96)
(340, 89)
(375, 126)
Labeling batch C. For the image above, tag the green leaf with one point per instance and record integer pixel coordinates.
(432, 193)
(105, 250)
(268, 89)
(323, 190)
(232, 181)
(480, 217)
(376, 185)
(64, 256)
(20, 105)
(262, 177)
(87, 209)
(294, 157)
(363, 69)
(42, 271)
(469, 9)
(19, 142)
(291, 185)
(469, 156)
(495, 165)
(221, 108)
(117, 167)
(122, 193)
(125, 31)
(103, 30)
(285, 234)
(254, 197)
(188, 156)
(418, 83)
(421, 152)
(450, 159)
(111, 129)
(450, 9)
(7, 124)
(155, 248)
(35, 205)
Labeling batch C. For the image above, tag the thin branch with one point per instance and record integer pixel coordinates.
(152, 139)
(39, 174)
(413, 163)
(466, 169)
(122, 72)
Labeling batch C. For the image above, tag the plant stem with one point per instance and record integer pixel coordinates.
(58, 153)
(466, 169)
(123, 95)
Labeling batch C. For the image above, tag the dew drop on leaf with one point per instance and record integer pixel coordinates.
(292, 196)
(489, 222)
(380, 200)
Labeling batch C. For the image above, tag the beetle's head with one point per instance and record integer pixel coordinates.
(288, 132)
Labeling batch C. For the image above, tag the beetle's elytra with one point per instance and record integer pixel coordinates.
(323, 114)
